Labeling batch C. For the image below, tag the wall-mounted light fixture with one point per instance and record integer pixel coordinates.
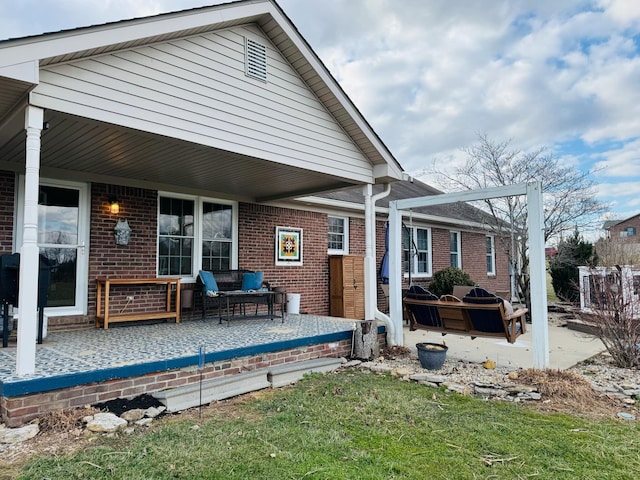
(114, 206)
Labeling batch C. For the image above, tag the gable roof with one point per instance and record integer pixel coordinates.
(22, 59)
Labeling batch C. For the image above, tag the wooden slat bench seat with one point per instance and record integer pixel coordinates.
(451, 315)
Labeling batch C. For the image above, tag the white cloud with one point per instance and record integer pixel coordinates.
(430, 76)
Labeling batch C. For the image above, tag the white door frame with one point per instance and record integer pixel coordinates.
(82, 267)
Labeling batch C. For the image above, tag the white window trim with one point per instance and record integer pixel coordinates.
(197, 232)
(345, 249)
(459, 247)
(493, 256)
(414, 234)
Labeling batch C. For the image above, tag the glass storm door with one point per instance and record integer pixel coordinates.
(62, 237)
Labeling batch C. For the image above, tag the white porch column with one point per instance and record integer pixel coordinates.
(395, 270)
(29, 252)
(539, 321)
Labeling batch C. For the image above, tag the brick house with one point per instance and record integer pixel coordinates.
(208, 128)
(628, 229)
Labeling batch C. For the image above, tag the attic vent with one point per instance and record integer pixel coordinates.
(256, 60)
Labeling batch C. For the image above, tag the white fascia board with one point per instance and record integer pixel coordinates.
(339, 205)
(61, 43)
(388, 170)
(25, 71)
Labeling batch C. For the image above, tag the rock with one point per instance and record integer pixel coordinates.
(490, 392)
(17, 435)
(520, 389)
(428, 377)
(379, 368)
(352, 363)
(143, 422)
(458, 388)
(153, 412)
(133, 415)
(401, 372)
(512, 375)
(106, 422)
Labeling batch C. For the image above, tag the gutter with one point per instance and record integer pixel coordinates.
(370, 242)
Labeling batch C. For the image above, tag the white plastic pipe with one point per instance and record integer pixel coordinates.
(371, 293)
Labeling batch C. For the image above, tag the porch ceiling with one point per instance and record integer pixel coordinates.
(79, 148)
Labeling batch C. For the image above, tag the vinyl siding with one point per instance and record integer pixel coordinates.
(195, 89)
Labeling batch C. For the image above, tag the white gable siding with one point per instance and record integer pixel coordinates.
(195, 89)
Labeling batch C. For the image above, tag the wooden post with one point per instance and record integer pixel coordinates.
(365, 340)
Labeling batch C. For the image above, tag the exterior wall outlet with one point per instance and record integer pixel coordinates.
(129, 298)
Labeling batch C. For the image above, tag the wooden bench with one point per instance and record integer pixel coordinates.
(104, 317)
(451, 315)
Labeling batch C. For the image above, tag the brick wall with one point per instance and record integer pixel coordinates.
(256, 231)
(7, 195)
(19, 410)
(135, 260)
(630, 222)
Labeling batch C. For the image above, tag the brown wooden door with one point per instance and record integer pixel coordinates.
(346, 283)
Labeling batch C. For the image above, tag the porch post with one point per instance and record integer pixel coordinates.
(539, 321)
(395, 270)
(29, 251)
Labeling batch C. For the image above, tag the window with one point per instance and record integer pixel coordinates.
(194, 234)
(175, 237)
(491, 256)
(217, 223)
(456, 258)
(338, 236)
(628, 232)
(417, 251)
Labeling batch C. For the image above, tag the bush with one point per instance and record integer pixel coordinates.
(563, 267)
(444, 280)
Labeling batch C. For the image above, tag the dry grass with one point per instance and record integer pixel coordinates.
(570, 393)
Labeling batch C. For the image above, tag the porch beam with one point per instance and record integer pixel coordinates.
(29, 251)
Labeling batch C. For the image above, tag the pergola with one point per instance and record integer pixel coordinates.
(535, 221)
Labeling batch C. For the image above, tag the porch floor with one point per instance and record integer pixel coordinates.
(71, 358)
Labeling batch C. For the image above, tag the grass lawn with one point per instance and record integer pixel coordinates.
(358, 425)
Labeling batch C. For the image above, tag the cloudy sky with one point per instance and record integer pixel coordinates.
(430, 76)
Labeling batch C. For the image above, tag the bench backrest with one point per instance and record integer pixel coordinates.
(422, 313)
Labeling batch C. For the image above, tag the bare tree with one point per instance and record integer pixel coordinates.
(614, 303)
(568, 195)
(617, 251)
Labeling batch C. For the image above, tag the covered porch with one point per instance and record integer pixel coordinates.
(166, 110)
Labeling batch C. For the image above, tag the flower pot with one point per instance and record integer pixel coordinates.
(431, 355)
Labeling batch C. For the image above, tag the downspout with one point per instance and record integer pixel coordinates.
(371, 306)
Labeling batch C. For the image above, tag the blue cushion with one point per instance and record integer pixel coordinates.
(209, 281)
(252, 280)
